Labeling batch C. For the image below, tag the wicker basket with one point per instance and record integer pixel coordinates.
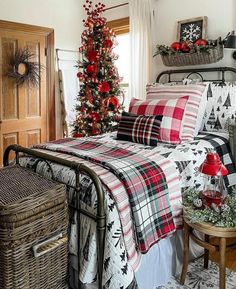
(196, 58)
(33, 231)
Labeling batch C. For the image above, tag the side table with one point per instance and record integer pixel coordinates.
(207, 229)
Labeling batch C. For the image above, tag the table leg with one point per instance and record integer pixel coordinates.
(206, 253)
(222, 262)
(185, 254)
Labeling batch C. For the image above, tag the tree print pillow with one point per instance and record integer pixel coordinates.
(221, 107)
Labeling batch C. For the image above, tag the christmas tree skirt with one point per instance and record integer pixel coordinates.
(200, 278)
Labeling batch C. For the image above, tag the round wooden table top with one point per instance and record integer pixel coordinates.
(211, 230)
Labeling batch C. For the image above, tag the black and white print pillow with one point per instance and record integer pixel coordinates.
(139, 128)
(221, 107)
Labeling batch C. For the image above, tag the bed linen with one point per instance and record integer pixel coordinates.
(118, 269)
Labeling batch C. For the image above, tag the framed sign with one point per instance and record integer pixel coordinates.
(192, 29)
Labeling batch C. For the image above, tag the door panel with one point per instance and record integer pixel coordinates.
(23, 108)
(9, 89)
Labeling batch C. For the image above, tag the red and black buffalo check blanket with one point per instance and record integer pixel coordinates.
(144, 180)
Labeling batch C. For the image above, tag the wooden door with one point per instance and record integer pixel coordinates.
(24, 108)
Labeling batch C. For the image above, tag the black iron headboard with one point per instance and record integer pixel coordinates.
(197, 71)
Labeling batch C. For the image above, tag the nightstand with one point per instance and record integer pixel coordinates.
(208, 230)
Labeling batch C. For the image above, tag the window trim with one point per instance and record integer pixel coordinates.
(119, 26)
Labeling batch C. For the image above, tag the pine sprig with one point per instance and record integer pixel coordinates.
(223, 216)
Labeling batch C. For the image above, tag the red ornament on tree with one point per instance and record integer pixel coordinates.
(112, 101)
(176, 46)
(94, 116)
(91, 68)
(77, 134)
(104, 86)
(92, 55)
(185, 47)
(201, 42)
(108, 43)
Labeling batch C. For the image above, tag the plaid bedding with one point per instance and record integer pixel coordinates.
(144, 180)
(121, 257)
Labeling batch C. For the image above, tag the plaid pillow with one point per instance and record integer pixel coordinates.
(192, 114)
(139, 128)
(172, 111)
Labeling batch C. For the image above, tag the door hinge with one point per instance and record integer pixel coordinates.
(45, 51)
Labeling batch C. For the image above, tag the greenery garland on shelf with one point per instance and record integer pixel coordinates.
(221, 216)
(193, 48)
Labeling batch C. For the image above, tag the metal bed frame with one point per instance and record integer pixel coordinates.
(80, 168)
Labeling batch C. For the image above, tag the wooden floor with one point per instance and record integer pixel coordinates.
(230, 257)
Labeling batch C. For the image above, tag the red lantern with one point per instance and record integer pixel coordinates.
(104, 87)
(176, 46)
(214, 170)
(185, 47)
(201, 42)
(90, 68)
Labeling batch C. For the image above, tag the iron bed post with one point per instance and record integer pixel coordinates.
(78, 168)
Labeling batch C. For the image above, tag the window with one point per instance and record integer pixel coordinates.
(121, 28)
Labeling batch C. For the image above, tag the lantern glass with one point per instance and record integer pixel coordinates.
(213, 190)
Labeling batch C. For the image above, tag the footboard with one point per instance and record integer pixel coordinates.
(79, 169)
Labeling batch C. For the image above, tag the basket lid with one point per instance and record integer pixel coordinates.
(22, 190)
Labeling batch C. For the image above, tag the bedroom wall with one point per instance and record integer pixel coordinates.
(221, 19)
(63, 16)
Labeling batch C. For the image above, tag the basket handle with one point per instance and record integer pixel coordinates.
(49, 245)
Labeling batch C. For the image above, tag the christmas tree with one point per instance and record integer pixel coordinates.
(99, 99)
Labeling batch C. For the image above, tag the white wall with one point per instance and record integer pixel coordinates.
(64, 16)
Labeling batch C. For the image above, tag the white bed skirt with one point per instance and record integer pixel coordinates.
(162, 261)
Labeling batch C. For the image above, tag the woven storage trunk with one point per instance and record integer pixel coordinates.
(33, 231)
(196, 58)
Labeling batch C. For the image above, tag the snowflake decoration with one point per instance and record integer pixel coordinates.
(191, 32)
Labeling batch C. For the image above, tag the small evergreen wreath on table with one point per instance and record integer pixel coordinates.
(221, 216)
(24, 70)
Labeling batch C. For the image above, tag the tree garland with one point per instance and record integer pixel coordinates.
(222, 216)
(24, 70)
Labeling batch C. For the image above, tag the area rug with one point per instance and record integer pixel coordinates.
(200, 278)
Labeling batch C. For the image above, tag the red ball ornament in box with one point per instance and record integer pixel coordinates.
(201, 42)
(108, 43)
(176, 46)
(92, 55)
(184, 47)
(104, 86)
(91, 68)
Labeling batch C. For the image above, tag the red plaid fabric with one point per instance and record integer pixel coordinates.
(195, 92)
(144, 180)
(172, 111)
(139, 128)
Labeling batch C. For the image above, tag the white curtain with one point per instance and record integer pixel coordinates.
(141, 18)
